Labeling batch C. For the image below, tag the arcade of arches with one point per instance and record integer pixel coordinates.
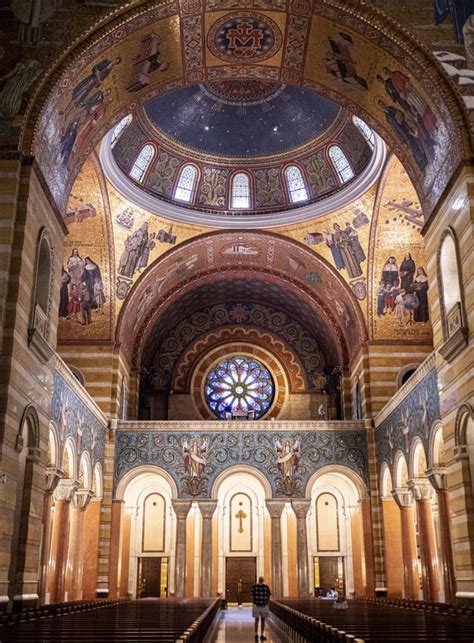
(236, 295)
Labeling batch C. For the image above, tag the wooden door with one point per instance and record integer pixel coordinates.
(150, 577)
(240, 576)
(329, 572)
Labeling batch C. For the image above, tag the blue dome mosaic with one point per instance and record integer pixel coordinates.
(238, 118)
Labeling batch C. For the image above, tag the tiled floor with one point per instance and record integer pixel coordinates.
(237, 625)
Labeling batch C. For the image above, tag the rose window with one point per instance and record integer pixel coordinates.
(239, 385)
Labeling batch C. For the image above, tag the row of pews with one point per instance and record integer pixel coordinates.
(159, 620)
(371, 621)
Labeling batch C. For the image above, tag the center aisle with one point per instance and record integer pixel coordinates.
(237, 625)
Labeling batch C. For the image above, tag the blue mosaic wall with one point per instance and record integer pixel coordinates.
(413, 417)
(74, 419)
(311, 451)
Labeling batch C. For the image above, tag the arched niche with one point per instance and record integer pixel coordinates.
(417, 462)
(40, 316)
(400, 471)
(69, 463)
(332, 527)
(141, 490)
(451, 295)
(386, 484)
(85, 471)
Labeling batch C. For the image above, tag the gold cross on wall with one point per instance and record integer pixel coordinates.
(240, 515)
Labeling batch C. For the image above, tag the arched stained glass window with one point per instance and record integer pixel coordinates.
(240, 191)
(186, 183)
(239, 384)
(142, 162)
(341, 163)
(296, 185)
(365, 129)
(118, 129)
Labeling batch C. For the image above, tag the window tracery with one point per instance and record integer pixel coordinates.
(142, 163)
(186, 184)
(296, 185)
(240, 193)
(341, 164)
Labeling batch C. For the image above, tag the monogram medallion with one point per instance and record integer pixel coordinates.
(241, 38)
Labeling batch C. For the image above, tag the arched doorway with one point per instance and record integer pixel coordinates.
(243, 532)
(336, 548)
(148, 529)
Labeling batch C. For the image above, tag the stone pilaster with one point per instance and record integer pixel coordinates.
(181, 508)
(301, 508)
(423, 491)
(404, 499)
(275, 509)
(207, 509)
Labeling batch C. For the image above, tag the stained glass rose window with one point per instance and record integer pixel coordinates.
(239, 384)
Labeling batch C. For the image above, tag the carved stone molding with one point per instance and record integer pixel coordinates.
(421, 488)
(236, 425)
(275, 507)
(207, 508)
(81, 498)
(66, 489)
(403, 497)
(53, 476)
(181, 508)
(438, 476)
(301, 507)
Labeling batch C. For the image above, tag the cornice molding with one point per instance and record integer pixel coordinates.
(223, 426)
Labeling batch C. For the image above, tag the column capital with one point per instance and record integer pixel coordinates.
(181, 508)
(81, 498)
(438, 476)
(207, 508)
(53, 476)
(403, 497)
(421, 488)
(65, 489)
(301, 507)
(275, 506)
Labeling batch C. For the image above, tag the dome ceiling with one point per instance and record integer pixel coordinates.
(270, 135)
(241, 118)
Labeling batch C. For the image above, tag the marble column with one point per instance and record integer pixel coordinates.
(91, 546)
(53, 476)
(62, 499)
(301, 508)
(404, 499)
(275, 509)
(115, 548)
(181, 508)
(207, 509)
(422, 490)
(79, 504)
(439, 479)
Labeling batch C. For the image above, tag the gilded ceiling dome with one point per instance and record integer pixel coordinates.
(241, 151)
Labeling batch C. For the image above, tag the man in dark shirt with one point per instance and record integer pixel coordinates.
(260, 596)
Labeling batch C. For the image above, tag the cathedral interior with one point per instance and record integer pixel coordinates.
(236, 303)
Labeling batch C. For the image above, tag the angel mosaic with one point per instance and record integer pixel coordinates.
(288, 456)
(195, 454)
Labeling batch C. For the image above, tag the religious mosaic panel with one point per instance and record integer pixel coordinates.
(194, 460)
(73, 418)
(413, 417)
(400, 285)
(86, 305)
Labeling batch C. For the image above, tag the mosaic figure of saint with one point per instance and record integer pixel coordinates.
(195, 454)
(288, 456)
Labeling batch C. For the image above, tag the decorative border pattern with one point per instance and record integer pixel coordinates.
(247, 447)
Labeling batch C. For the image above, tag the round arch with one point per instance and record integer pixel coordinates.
(400, 470)
(417, 460)
(85, 470)
(343, 473)
(386, 483)
(69, 458)
(29, 428)
(98, 481)
(436, 452)
(148, 469)
(231, 471)
(184, 269)
(53, 446)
